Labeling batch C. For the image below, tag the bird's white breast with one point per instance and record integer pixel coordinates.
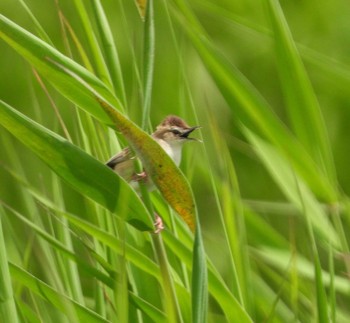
(173, 149)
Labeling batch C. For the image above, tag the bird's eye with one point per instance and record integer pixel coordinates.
(175, 131)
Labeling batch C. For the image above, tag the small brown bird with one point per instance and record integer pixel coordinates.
(171, 134)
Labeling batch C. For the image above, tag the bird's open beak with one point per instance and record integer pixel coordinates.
(188, 131)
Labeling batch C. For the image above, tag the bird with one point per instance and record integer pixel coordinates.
(170, 134)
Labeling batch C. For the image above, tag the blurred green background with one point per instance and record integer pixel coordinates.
(241, 31)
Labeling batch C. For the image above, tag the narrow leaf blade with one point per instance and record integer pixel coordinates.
(87, 175)
(302, 103)
(282, 172)
(250, 107)
(199, 280)
(59, 300)
(39, 54)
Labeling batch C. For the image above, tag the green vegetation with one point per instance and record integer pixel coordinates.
(267, 189)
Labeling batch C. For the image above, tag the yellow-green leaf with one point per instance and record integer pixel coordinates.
(159, 166)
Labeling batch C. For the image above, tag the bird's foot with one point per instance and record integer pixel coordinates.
(140, 177)
(158, 224)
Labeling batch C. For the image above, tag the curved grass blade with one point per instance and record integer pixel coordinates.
(8, 312)
(251, 108)
(40, 30)
(149, 52)
(101, 66)
(152, 312)
(92, 271)
(57, 299)
(38, 53)
(110, 50)
(234, 312)
(199, 280)
(87, 175)
(302, 103)
(133, 255)
(279, 259)
(283, 174)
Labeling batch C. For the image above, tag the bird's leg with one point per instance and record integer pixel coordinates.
(158, 223)
(159, 226)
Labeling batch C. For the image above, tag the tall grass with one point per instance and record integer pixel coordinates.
(256, 221)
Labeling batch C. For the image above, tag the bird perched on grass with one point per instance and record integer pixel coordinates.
(170, 134)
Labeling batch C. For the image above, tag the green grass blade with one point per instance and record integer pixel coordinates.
(47, 255)
(132, 254)
(110, 50)
(302, 104)
(40, 30)
(279, 259)
(149, 52)
(93, 272)
(251, 108)
(88, 176)
(8, 311)
(152, 312)
(76, 41)
(283, 174)
(332, 291)
(322, 304)
(102, 69)
(230, 209)
(59, 300)
(199, 280)
(41, 55)
(261, 232)
(28, 312)
(216, 286)
(171, 304)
